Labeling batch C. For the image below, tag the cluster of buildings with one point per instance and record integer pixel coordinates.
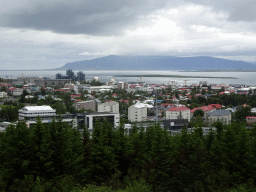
(71, 75)
(29, 115)
(176, 115)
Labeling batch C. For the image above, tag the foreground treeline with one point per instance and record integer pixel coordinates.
(59, 158)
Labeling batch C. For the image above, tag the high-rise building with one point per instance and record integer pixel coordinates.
(59, 76)
(70, 74)
(80, 76)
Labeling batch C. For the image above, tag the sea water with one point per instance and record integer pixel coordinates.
(248, 78)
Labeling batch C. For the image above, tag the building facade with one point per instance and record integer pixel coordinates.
(3, 94)
(178, 113)
(52, 82)
(87, 105)
(250, 120)
(137, 112)
(219, 115)
(111, 106)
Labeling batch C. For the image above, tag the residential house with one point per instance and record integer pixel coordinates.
(180, 112)
(250, 120)
(220, 115)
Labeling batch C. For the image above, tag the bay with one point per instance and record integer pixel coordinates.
(248, 78)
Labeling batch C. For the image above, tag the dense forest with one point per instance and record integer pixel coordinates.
(58, 158)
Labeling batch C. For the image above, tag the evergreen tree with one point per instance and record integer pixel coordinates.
(16, 155)
(101, 163)
(42, 164)
(120, 145)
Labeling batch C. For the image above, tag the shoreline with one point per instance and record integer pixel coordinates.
(176, 76)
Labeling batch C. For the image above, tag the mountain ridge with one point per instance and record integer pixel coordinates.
(114, 62)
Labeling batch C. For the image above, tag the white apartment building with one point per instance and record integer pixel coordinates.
(111, 106)
(180, 112)
(101, 88)
(31, 112)
(3, 94)
(17, 92)
(137, 112)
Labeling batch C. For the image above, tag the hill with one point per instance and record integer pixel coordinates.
(158, 63)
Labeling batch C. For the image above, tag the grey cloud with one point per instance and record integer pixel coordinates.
(95, 17)
(238, 10)
(103, 17)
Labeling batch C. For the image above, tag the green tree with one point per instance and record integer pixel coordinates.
(198, 112)
(43, 92)
(42, 162)
(241, 113)
(60, 107)
(16, 141)
(3, 89)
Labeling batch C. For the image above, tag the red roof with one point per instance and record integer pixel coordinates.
(204, 108)
(126, 101)
(166, 104)
(217, 106)
(178, 109)
(207, 108)
(221, 93)
(193, 110)
(251, 117)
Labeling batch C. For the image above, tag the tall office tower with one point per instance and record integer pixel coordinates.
(59, 76)
(70, 74)
(80, 76)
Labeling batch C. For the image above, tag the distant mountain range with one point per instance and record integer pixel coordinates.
(158, 63)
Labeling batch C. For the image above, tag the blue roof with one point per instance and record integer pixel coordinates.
(219, 112)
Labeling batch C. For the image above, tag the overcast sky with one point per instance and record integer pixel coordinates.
(41, 34)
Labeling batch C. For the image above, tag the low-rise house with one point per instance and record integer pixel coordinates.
(29, 96)
(250, 120)
(217, 106)
(205, 109)
(220, 115)
(180, 112)
(4, 125)
(75, 96)
(69, 85)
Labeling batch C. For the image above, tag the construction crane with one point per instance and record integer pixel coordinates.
(141, 78)
(186, 82)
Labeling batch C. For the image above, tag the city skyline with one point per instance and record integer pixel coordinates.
(49, 34)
